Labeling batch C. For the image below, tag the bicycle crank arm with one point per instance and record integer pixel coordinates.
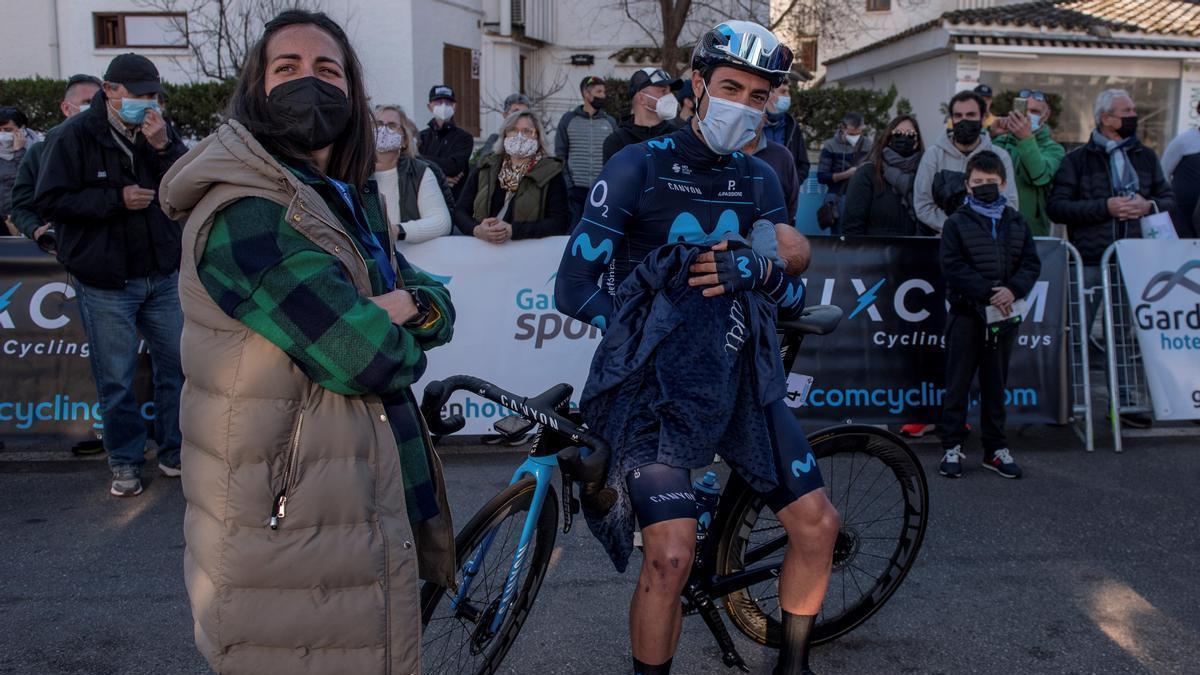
(707, 609)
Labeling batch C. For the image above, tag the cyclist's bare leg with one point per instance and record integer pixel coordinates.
(812, 525)
(656, 615)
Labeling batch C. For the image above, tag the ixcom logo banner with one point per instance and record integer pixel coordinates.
(41, 304)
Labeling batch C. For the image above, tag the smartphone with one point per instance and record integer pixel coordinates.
(1021, 105)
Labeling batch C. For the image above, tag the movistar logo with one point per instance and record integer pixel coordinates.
(867, 298)
(662, 143)
(799, 467)
(687, 228)
(1162, 283)
(583, 246)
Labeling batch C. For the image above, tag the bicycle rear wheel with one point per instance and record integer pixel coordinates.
(458, 640)
(878, 487)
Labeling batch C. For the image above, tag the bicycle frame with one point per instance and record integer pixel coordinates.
(542, 470)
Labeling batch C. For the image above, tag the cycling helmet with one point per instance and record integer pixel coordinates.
(746, 46)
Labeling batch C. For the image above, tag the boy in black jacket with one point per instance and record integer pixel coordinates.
(989, 262)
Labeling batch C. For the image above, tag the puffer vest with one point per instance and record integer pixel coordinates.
(332, 589)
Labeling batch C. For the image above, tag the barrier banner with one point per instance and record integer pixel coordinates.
(506, 330)
(1162, 281)
(885, 363)
(46, 388)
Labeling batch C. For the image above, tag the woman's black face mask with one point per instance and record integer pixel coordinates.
(309, 112)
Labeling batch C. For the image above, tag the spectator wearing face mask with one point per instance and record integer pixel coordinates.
(941, 185)
(15, 139)
(840, 157)
(651, 110)
(1181, 165)
(413, 201)
(99, 185)
(443, 142)
(579, 142)
(783, 129)
(879, 201)
(781, 162)
(1035, 157)
(76, 99)
(517, 191)
(513, 104)
(687, 104)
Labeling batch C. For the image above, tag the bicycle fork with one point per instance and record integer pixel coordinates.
(541, 468)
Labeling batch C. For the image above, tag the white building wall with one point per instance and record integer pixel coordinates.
(926, 84)
(28, 41)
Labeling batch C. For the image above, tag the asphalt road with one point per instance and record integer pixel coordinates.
(1088, 565)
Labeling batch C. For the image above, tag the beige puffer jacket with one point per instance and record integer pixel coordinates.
(334, 588)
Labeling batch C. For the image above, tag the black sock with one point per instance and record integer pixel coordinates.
(793, 653)
(640, 668)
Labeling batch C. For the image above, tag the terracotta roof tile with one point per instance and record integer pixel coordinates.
(1163, 18)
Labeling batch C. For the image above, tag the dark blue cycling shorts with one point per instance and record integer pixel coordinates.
(660, 492)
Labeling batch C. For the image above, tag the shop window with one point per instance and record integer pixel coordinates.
(1156, 100)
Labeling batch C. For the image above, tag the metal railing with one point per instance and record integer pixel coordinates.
(1079, 367)
(1127, 391)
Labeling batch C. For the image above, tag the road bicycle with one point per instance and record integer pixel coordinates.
(871, 476)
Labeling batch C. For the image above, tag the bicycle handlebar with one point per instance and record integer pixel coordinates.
(437, 393)
(589, 470)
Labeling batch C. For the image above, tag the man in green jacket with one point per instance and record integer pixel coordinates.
(1035, 157)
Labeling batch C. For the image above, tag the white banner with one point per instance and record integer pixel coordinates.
(1162, 279)
(507, 330)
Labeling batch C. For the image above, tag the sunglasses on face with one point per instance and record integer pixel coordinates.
(1033, 94)
(906, 134)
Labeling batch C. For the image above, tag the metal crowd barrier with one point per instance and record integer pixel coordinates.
(1077, 353)
(1127, 391)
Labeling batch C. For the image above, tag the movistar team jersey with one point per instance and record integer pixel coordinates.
(666, 190)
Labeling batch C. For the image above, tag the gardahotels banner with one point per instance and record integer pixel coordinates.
(46, 386)
(1162, 282)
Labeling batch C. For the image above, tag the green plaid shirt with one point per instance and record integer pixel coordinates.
(262, 272)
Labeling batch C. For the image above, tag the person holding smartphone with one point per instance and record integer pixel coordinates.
(1035, 155)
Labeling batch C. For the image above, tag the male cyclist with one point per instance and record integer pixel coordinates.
(694, 186)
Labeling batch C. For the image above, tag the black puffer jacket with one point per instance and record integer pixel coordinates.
(80, 189)
(1080, 195)
(973, 262)
(874, 208)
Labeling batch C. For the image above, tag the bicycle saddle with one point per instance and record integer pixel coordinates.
(815, 320)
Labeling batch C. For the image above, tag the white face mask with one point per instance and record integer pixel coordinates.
(387, 140)
(443, 111)
(521, 146)
(666, 107)
(6, 138)
(728, 126)
(852, 139)
(783, 103)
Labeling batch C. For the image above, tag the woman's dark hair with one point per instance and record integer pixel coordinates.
(986, 162)
(14, 115)
(875, 157)
(352, 159)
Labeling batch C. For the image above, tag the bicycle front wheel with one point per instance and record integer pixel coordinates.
(878, 486)
(457, 638)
